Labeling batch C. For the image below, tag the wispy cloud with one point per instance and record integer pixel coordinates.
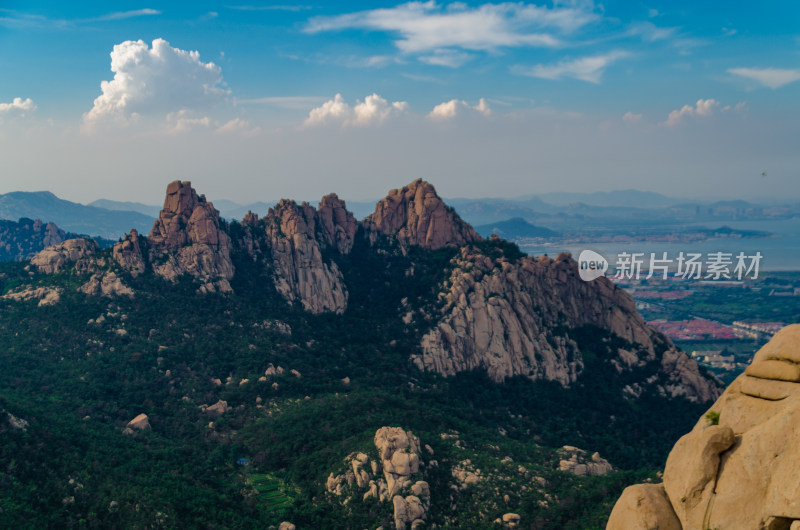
(589, 69)
(293, 8)
(285, 102)
(649, 32)
(441, 33)
(122, 15)
(769, 77)
(18, 19)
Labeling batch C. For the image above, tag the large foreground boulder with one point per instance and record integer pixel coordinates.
(739, 466)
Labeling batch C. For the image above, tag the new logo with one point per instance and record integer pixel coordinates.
(591, 265)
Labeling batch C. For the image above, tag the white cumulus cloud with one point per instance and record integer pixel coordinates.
(703, 108)
(454, 107)
(589, 69)
(17, 107)
(156, 80)
(373, 110)
(770, 77)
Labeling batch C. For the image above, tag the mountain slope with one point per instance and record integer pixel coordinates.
(256, 393)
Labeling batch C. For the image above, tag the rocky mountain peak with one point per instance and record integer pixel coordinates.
(416, 215)
(187, 239)
(338, 227)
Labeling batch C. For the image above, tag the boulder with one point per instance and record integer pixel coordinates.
(738, 468)
(643, 507)
(217, 409)
(139, 423)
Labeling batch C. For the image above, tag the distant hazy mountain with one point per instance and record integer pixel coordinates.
(483, 211)
(71, 216)
(611, 198)
(149, 210)
(515, 228)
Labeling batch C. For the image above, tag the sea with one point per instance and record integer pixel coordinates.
(779, 252)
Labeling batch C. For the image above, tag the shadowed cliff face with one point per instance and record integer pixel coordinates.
(498, 310)
(738, 470)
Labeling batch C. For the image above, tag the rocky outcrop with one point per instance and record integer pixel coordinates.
(45, 295)
(399, 454)
(738, 467)
(106, 284)
(415, 215)
(337, 226)
(217, 409)
(128, 253)
(579, 463)
(300, 273)
(399, 459)
(187, 239)
(75, 253)
(504, 316)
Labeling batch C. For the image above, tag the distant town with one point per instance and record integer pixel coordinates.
(721, 324)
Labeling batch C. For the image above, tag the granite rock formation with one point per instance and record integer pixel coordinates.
(76, 253)
(415, 215)
(128, 253)
(337, 226)
(106, 284)
(300, 273)
(399, 459)
(738, 467)
(187, 239)
(502, 316)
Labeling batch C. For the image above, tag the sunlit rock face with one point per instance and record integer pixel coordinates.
(741, 472)
(415, 215)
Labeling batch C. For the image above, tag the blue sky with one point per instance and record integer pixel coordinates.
(257, 101)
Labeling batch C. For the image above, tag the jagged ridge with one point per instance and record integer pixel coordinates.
(505, 314)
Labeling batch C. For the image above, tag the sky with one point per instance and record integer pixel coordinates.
(258, 101)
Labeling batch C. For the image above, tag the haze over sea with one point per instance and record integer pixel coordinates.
(780, 252)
